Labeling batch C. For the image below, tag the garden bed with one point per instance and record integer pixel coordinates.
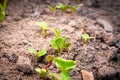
(19, 32)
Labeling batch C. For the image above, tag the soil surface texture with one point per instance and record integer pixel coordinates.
(19, 32)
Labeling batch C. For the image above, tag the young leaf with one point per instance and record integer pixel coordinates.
(58, 32)
(65, 65)
(65, 75)
(53, 44)
(62, 7)
(42, 72)
(42, 24)
(53, 9)
(50, 58)
(41, 53)
(44, 27)
(58, 43)
(33, 51)
(85, 37)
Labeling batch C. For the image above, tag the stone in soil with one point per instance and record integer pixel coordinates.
(87, 75)
(106, 24)
(24, 64)
(72, 23)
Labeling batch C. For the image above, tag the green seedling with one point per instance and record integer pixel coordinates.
(38, 54)
(2, 10)
(58, 32)
(44, 27)
(74, 8)
(65, 67)
(53, 9)
(62, 7)
(42, 72)
(60, 43)
(86, 37)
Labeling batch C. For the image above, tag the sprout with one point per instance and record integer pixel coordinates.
(86, 37)
(44, 27)
(53, 9)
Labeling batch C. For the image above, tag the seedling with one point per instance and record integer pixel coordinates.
(65, 67)
(58, 32)
(62, 7)
(53, 9)
(59, 43)
(42, 72)
(2, 10)
(44, 27)
(74, 8)
(38, 54)
(86, 37)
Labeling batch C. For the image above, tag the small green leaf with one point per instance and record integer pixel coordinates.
(58, 32)
(41, 53)
(85, 37)
(33, 51)
(62, 7)
(65, 65)
(53, 9)
(42, 72)
(42, 24)
(53, 44)
(60, 42)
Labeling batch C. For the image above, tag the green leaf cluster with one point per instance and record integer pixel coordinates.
(59, 43)
(62, 7)
(65, 67)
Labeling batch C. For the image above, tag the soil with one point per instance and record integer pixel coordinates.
(19, 32)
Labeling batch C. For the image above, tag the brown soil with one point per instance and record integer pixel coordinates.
(19, 32)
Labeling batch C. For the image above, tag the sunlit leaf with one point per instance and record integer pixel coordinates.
(41, 53)
(65, 65)
(33, 51)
